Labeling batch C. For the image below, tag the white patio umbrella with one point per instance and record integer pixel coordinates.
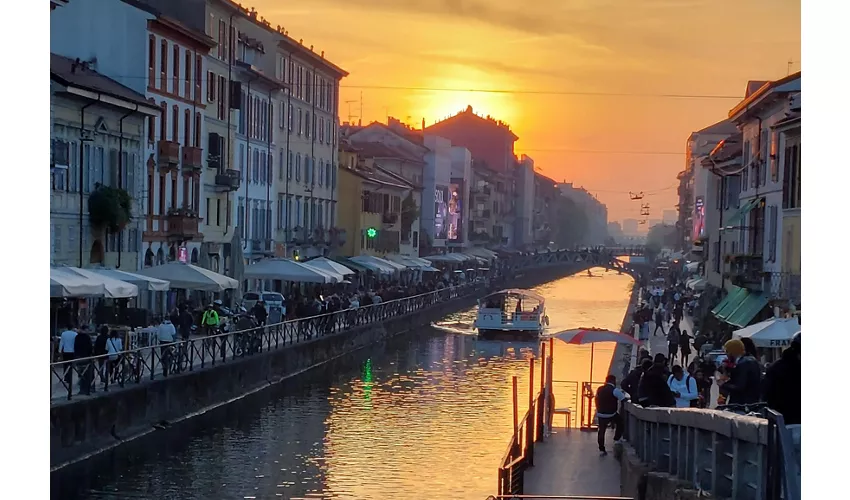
(375, 264)
(775, 332)
(326, 264)
(67, 284)
(335, 276)
(109, 287)
(190, 277)
(581, 336)
(143, 282)
(286, 270)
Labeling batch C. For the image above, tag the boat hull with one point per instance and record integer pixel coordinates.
(492, 334)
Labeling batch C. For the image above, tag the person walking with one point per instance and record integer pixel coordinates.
(673, 339)
(782, 384)
(653, 389)
(85, 368)
(631, 382)
(684, 388)
(659, 320)
(608, 399)
(684, 347)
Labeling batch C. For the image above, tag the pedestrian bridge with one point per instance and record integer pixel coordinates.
(582, 259)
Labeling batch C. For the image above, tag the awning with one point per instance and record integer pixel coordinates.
(692, 267)
(411, 262)
(774, 332)
(354, 266)
(68, 281)
(737, 219)
(749, 308)
(698, 283)
(729, 303)
(325, 264)
(374, 265)
(145, 283)
(189, 277)
(335, 276)
(482, 252)
(287, 270)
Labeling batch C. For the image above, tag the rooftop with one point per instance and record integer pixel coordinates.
(469, 114)
(76, 73)
(728, 149)
(382, 150)
(790, 83)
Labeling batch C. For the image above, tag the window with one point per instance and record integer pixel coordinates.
(175, 78)
(308, 80)
(321, 170)
(716, 257)
(151, 61)
(187, 127)
(289, 166)
(321, 130)
(307, 116)
(281, 165)
(199, 69)
(175, 124)
(240, 219)
(161, 194)
(307, 170)
(290, 117)
(313, 125)
(211, 86)
(222, 39)
(773, 228)
(131, 165)
(243, 113)
(281, 118)
(73, 167)
(163, 66)
(791, 173)
(163, 121)
(300, 122)
(209, 212)
(745, 173)
(328, 168)
(218, 211)
(150, 193)
(187, 82)
(132, 240)
(222, 98)
(298, 167)
(198, 122)
(255, 170)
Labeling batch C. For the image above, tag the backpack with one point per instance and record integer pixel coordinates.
(694, 402)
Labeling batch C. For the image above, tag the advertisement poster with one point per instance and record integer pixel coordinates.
(699, 219)
(441, 198)
(454, 217)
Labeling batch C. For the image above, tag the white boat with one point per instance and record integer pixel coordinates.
(512, 313)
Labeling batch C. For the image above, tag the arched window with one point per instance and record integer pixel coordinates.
(96, 253)
(149, 258)
(194, 256)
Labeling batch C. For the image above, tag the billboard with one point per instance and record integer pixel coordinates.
(441, 198)
(698, 232)
(454, 211)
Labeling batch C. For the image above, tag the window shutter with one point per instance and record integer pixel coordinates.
(111, 169)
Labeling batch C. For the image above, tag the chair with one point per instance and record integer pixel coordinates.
(568, 414)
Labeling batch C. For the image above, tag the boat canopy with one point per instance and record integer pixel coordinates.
(518, 292)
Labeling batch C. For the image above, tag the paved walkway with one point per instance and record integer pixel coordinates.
(568, 463)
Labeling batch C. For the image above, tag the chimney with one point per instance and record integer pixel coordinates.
(423, 124)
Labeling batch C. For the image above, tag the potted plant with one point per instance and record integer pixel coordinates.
(110, 208)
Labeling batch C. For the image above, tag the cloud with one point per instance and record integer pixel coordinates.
(491, 65)
(524, 20)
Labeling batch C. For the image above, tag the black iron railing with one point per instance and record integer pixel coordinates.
(520, 453)
(135, 366)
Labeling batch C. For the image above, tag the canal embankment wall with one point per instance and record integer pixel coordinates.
(85, 427)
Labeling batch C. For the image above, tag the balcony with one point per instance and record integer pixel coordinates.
(228, 181)
(784, 286)
(262, 246)
(746, 270)
(182, 225)
(389, 218)
(192, 159)
(168, 155)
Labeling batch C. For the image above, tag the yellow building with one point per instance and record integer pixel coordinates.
(369, 206)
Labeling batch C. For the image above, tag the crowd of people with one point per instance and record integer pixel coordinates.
(678, 380)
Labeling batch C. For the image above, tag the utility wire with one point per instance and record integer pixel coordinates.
(485, 91)
(602, 151)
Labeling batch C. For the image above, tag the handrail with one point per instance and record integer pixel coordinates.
(722, 453)
(520, 452)
(134, 365)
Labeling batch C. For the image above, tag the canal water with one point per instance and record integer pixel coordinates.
(425, 416)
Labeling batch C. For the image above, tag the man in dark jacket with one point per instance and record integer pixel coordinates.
(185, 323)
(608, 399)
(653, 389)
(260, 313)
(744, 384)
(83, 349)
(783, 384)
(631, 383)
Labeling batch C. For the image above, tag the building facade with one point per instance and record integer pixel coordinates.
(524, 202)
(595, 210)
(97, 144)
(722, 237)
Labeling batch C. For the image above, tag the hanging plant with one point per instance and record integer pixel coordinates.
(110, 208)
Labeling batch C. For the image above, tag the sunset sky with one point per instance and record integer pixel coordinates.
(540, 48)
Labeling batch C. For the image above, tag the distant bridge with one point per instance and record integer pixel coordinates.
(582, 259)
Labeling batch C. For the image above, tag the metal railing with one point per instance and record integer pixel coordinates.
(721, 453)
(554, 497)
(135, 366)
(520, 453)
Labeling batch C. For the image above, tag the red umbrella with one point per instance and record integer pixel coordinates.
(581, 336)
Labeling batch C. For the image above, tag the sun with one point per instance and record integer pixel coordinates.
(436, 103)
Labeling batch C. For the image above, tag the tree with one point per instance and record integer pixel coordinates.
(661, 236)
(409, 213)
(571, 224)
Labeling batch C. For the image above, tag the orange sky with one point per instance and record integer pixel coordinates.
(692, 47)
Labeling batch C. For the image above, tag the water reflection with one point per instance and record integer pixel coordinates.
(427, 418)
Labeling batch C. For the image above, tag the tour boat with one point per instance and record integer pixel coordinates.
(512, 313)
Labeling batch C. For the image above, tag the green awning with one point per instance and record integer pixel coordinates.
(748, 310)
(737, 219)
(354, 266)
(730, 298)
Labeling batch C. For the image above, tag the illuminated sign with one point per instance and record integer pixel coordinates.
(371, 232)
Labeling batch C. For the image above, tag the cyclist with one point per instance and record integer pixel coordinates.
(210, 320)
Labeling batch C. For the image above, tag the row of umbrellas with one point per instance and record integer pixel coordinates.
(66, 281)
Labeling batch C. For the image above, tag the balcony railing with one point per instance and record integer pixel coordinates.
(168, 154)
(192, 158)
(182, 224)
(229, 180)
(389, 218)
(784, 286)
